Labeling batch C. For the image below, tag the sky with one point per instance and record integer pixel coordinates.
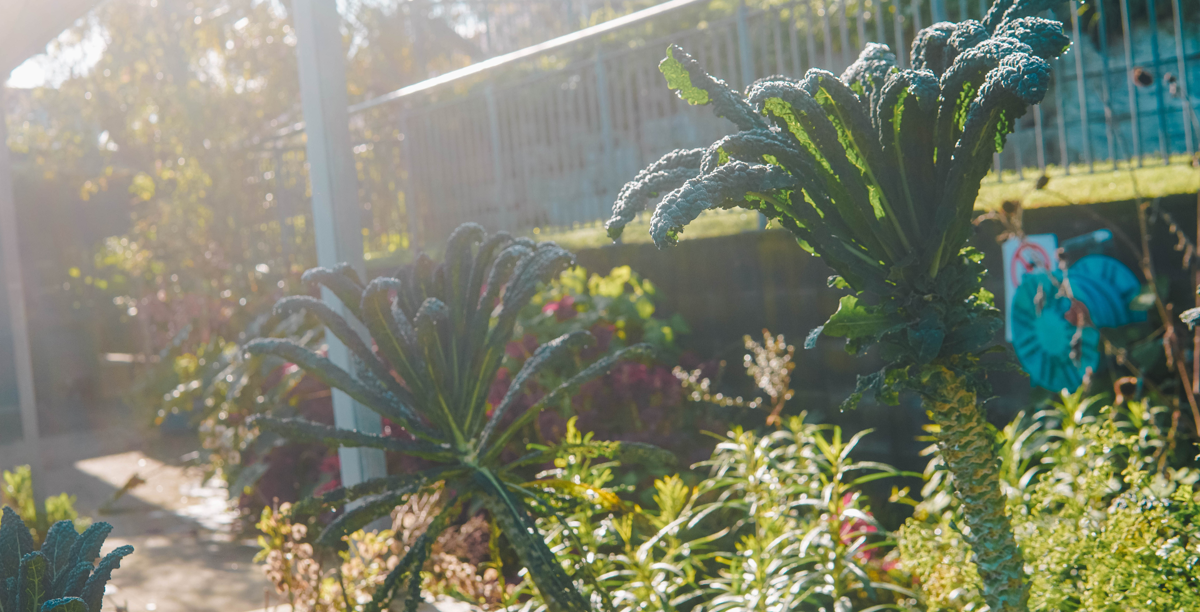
(41, 69)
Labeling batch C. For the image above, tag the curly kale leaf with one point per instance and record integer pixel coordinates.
(1044, 37)
(685, 75)
(725, 187)
(663, 176)
(870, 70)
(931, 48)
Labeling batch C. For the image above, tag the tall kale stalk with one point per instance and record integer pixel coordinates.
(439, 335)
(877, 172)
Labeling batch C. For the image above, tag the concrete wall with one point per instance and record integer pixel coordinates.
(735, 285)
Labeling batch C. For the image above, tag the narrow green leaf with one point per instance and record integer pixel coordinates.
(32, 583)
(556, 587)
(93, 590)
(679, 80)
(65, 604)
(853, 320)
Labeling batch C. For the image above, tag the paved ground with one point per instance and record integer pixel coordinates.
(187, 558)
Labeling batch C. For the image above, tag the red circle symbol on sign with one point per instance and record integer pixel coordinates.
(1027, 258)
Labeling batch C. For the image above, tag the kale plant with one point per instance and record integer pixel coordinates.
(60, 577)
(439, 334)
(877, 172)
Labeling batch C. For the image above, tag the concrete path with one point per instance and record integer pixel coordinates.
(187, 557)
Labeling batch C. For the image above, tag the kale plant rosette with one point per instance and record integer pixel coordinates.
(877, 172)
(438, 334)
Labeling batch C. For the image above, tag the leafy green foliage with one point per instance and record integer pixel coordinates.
(1100, 502)
(439, 333)
(621, 300)
(221, 389)
(58, 577)
(636, 400)
(779, 523)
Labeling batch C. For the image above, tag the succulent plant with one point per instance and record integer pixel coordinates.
(439, 337)
(60, 577)
(877, 172)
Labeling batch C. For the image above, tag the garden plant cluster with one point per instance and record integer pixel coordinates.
(548, 439)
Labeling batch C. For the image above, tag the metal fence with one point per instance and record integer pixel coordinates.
(547, 136)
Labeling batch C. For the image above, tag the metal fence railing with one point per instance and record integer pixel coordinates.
(547, 136)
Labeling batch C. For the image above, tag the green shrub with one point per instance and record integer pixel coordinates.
(18, 493)
(780, 523)
(1105, 515)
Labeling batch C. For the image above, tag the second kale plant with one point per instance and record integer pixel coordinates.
(877, 172)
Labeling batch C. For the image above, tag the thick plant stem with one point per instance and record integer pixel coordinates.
(968, 447)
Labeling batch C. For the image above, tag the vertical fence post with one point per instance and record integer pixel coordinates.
(1040, 137)
(962, 10)
(827, 31)
(877, 13)
(1080, 88)
(407, 182)
(844, 25)
(746, 58)
(745, 51)
(493, 119)
(604, 109)
(1062, 125)
(14, 289)
(1018, 159)
(1134, 114)
(1181, 67)
(1105, 95)
(860, 27)
(793, 40)
(810, 43)
(937, 8)
(898, 29)
(1156, 66)
(337, 220)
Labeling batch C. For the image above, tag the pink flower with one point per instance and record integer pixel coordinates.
(330, 464)
(562, 309)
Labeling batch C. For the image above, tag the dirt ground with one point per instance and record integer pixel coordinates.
(186, 555)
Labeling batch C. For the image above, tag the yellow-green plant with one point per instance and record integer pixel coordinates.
(18, 493)
(877, 173)
(1105, 523)
(779, 523)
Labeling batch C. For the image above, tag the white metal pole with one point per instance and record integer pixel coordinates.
(14, 291)
(337, 219)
